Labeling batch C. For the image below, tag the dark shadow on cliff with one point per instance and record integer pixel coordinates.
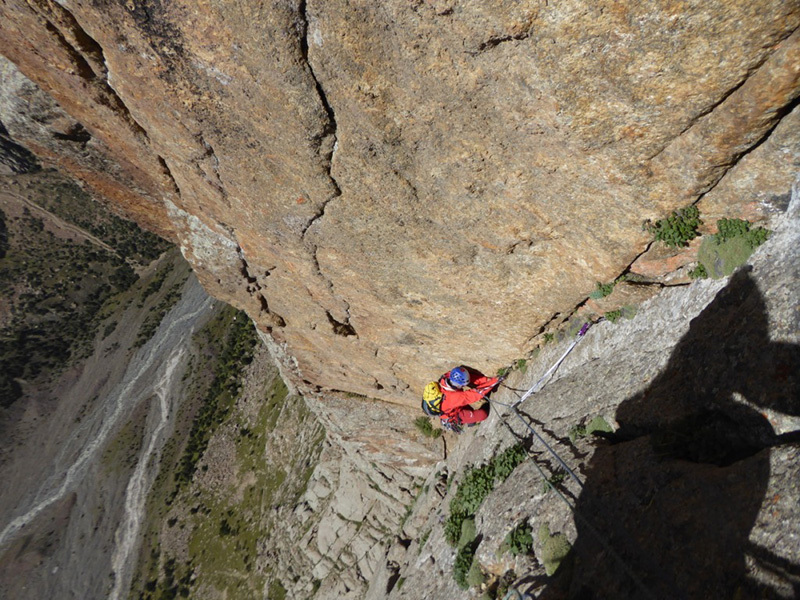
(676, 495)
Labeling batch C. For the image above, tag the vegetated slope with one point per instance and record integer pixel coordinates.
(264, 492)
(232, 474)
(87, 324)
(64, 257)
(682, 425)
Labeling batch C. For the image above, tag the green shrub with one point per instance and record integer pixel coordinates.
(508, 460)
(602, 290)
(613, 315)
(728, 229)
(555, 479)
(577, 432)
(679, 228)
(477, 484)
(463, 564)
(520, 365)
(452, 526)
(423, 425)
(519, 540)
(699, 272)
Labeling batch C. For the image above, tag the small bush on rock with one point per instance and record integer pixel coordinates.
(519, 540)
(423, 425)
(508, 460)
(478, 483)
(679, 228)
(602, 290)
(699, 272)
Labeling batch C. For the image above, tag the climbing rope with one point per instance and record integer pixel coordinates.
(578, 515)
(540, 384)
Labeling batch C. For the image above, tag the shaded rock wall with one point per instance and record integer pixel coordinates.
(390, 188)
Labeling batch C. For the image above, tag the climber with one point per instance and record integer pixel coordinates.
(450, 397)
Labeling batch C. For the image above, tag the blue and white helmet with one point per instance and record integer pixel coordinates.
(459, 376)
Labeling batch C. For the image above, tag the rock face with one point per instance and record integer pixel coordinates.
(388, 188)
(695, 493)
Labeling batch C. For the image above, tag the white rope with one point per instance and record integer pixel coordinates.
(540, 384)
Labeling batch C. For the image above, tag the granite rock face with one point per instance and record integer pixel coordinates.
(389, 188)
(694, 494)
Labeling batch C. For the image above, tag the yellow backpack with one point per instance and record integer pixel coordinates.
(432, 399)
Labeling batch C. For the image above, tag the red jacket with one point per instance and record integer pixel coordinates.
(479, 386)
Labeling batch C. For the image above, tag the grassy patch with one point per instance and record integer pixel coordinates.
(276, 590)
(555, 549)
(721, 254)
(423, 425)
(597, 424)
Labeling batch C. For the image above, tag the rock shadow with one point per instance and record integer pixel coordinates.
(669, 504)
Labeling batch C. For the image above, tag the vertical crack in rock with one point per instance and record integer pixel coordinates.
(329, 129)
(254, 289)
(745, 117)
(327, 144)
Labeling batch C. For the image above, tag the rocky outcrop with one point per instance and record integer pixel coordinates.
(693, 495)
(388, 188)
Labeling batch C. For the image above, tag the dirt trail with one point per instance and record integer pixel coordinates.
(7, 197)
